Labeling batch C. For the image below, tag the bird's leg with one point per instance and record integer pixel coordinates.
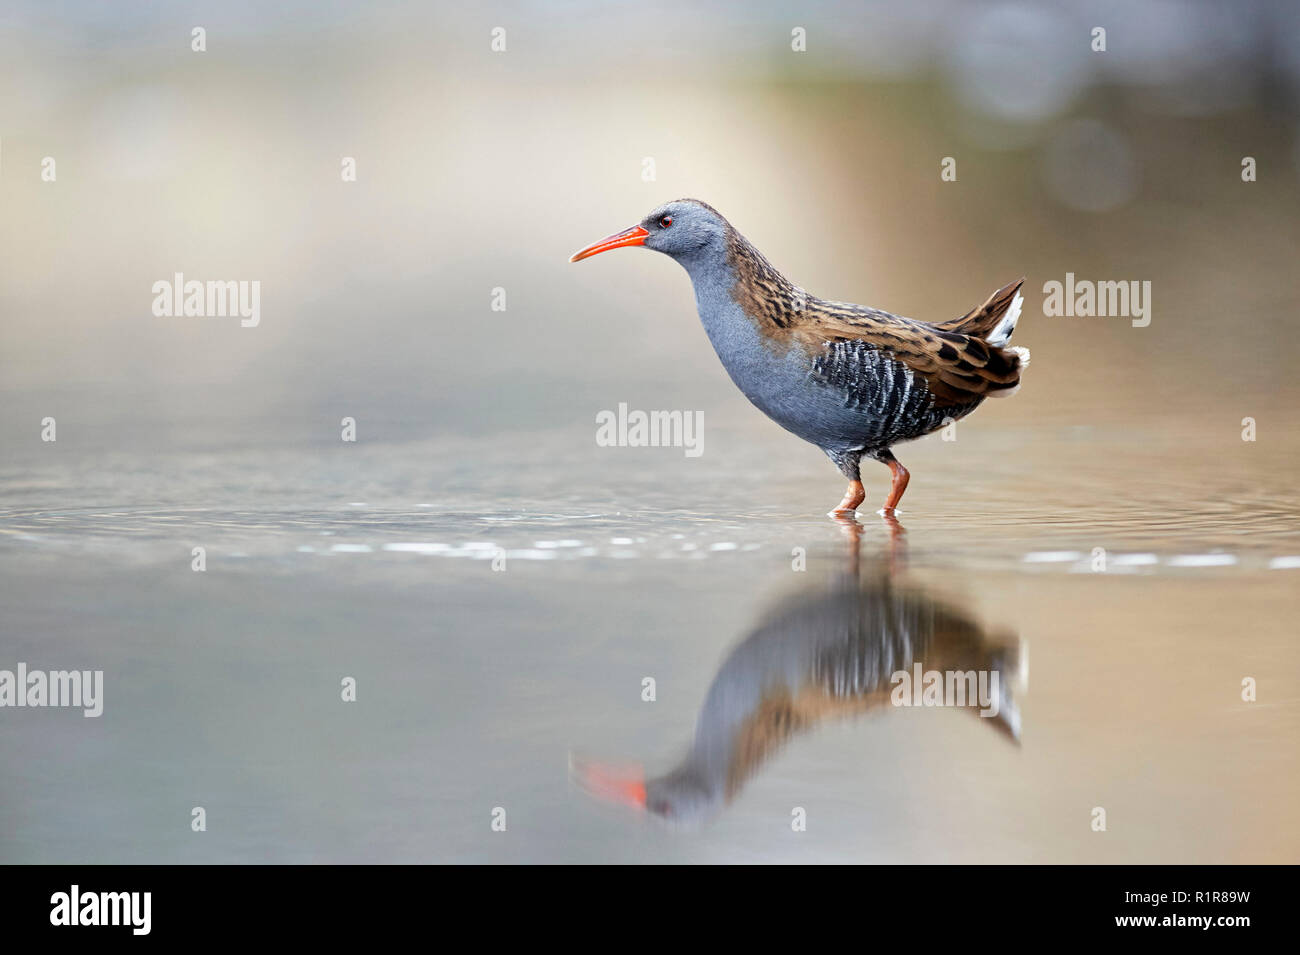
(899, 485)
(853, 496)
(847, 462)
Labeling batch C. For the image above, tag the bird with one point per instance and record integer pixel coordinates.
(818, 656)
(850, 379)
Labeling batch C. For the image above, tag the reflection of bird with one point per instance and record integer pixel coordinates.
(816, 658)
(852, 380)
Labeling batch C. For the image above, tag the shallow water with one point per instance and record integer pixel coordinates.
(499, 611)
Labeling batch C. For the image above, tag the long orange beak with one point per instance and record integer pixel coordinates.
(624, 784)
(633, 236)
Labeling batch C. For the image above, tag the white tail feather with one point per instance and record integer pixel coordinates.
(1001, 333)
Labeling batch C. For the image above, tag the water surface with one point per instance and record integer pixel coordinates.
(499, 612)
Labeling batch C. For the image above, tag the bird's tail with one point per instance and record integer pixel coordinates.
(994, 320)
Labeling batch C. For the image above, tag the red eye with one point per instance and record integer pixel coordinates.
(665, 222)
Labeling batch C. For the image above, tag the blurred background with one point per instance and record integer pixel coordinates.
(479, 170)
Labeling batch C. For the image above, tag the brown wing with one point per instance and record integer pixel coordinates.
(957, 369)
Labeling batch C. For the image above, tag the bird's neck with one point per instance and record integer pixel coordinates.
(734, 280)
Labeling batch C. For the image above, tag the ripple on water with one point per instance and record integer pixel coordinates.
(1044, 507)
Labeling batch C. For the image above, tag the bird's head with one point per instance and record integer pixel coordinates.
(683, 229)
(679, 800)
